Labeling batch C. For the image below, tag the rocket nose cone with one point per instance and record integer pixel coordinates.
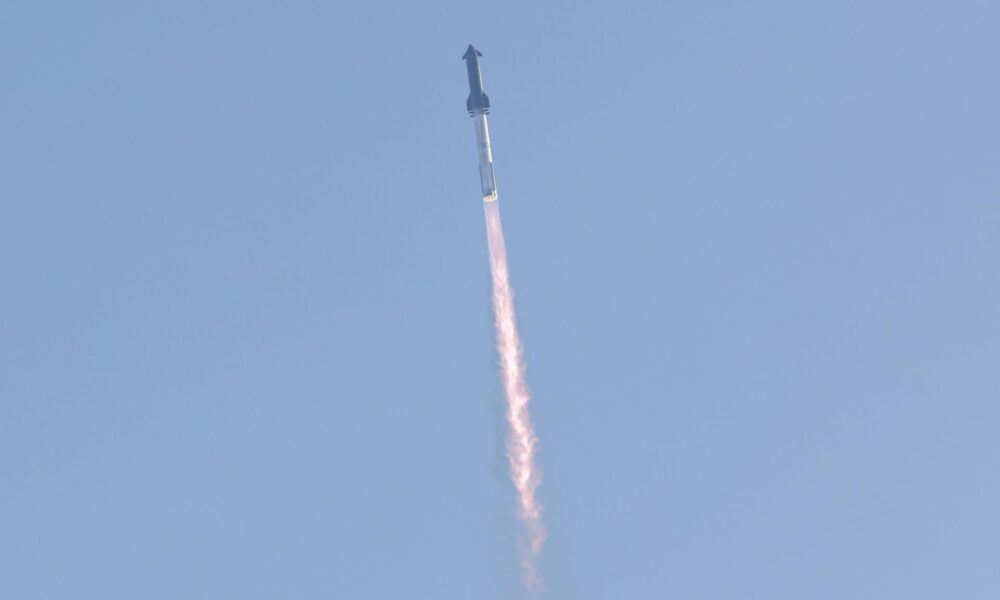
(471, 52)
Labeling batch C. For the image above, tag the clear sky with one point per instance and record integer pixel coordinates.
(246, 347)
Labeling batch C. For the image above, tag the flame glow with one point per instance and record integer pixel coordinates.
(521, 438)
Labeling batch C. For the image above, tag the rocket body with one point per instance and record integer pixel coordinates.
(478, 105)
(486, 177)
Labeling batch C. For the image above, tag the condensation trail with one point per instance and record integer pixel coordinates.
(521, 438)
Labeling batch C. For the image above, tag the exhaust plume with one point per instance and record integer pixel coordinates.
(521, 438)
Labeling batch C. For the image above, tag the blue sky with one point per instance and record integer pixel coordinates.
(245, 333)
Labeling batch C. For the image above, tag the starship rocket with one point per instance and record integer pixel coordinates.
(478, 106)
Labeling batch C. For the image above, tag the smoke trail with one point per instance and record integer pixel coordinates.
(521, 435)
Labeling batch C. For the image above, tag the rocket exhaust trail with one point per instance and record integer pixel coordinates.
(521, 434)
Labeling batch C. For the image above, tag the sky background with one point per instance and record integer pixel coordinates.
(246, 346)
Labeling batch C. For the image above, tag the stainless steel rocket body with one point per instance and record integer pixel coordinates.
(486, 176)
(478, 106)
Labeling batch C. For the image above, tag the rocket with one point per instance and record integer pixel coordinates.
(478, 106)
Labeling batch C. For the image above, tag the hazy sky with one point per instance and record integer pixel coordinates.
(245, 336)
